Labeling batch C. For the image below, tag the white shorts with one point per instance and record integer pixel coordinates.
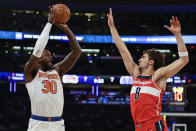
(36, 125)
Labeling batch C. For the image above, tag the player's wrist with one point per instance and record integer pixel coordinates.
(51, 20)
(49, 24)
(66, 30)
(111, 25)
(183, 53)
(177, 34)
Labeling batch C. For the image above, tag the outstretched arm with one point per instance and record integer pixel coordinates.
(39, 47)
(177, 65)
(70, 60)
(130, 65)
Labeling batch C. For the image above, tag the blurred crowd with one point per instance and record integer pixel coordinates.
(92, 24)
(96, 23)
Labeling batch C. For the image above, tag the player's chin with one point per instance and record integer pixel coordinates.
(50, 64)
(140, 67)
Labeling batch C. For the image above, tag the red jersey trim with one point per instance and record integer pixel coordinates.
(136, 76)
(155, 82)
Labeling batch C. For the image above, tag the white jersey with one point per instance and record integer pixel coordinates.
(46, 94)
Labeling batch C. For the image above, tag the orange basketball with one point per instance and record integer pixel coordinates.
(63, 13)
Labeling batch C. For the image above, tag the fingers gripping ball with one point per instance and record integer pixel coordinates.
(62, 14)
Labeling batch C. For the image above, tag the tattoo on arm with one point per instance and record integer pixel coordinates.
(74, 45)
(70, 60)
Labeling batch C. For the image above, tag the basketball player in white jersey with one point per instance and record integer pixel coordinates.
(43, 80)
(150, 77)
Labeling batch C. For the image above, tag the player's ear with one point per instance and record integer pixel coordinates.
(151, 62)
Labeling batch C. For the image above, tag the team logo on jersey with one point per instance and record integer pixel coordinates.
(49, 76)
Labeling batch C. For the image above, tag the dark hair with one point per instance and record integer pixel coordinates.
(157, 56)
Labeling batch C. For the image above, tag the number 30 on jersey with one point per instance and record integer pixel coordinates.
(49, 86)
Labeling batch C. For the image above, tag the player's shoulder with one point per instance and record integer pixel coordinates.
(159, 78)
(33, 74)
(56, 68)
(158, 74)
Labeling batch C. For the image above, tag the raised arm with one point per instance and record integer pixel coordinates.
(70, 60)
(177, 65)
(42, 41)
(130, 65)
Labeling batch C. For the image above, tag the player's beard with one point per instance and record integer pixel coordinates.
(49, 65)
(46, 66)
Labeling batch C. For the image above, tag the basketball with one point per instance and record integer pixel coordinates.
(62, 13)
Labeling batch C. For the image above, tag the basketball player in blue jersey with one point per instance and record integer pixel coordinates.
(43, 80)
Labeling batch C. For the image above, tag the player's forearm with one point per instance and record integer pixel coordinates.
(181, 46)
(74, 45)
(124, 52)
(180, 41)
(117, 40)
(42, 41)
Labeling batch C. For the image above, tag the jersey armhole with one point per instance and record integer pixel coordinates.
(60, 77)
(56, 71)
(155, 82)
(33, 78)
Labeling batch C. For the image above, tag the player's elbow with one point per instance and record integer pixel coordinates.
(185, 60)
(77, 53)
(80, 51)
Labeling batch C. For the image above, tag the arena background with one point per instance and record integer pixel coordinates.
(97, 89)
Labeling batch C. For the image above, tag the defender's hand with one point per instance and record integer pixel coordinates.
(110, 18)
(175, 27)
